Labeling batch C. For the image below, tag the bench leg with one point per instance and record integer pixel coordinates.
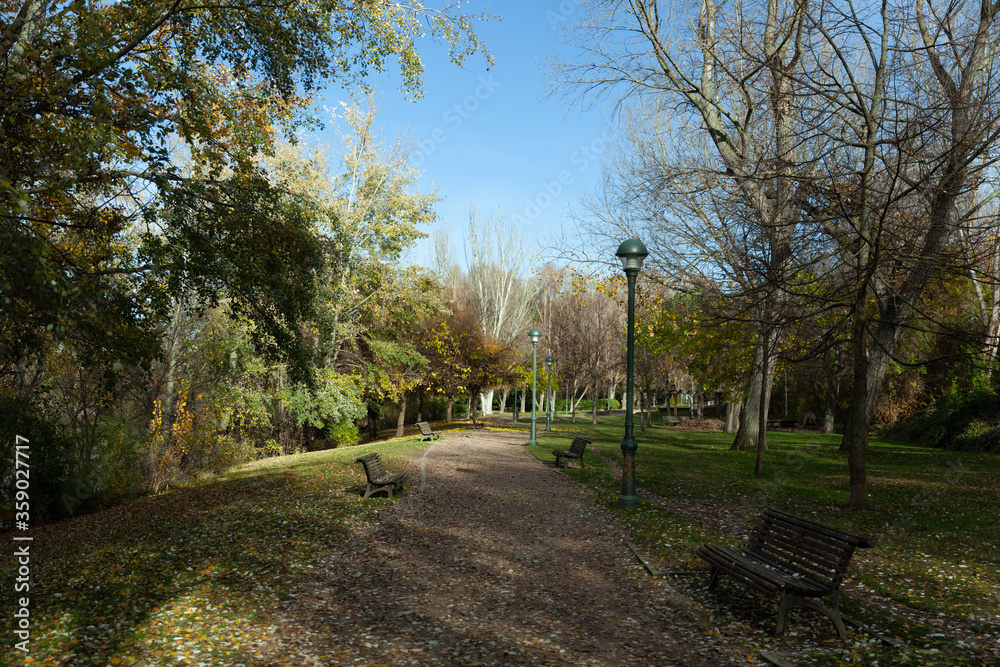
(372, 490)
(713, 579)
(832, 612)
(786, 603)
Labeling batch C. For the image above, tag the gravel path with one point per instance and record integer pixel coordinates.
(493, 558)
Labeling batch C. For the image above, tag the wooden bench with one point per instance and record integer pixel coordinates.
(426, 433)
(378, 479)
(575, 451)
(801, 559)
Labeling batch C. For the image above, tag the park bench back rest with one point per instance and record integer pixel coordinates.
(818, 552)
(579, 445)
(374, 469)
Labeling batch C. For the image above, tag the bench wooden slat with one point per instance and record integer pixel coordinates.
(859, 541)
(576, 450)
(797, 557)
(426, 433)
(379, 481)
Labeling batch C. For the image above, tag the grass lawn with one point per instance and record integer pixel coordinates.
(193, 573)
(194, 576)
(936, 523)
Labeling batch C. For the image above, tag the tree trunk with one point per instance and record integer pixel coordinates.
(749, 429)
(523, 403)
(856, 437)
(167, 411)
(420, 407)
(830, 400)
(762, 411)
(642, 422)
(503, 399)
(372, 423)
(575, 402)
(447, 412)
(487, 398)
(401, 419)
(877, 362)
(593, 410)
(472, 412)
(733, 417)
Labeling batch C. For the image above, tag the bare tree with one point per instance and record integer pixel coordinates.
(914, 92)
(500, 265)
(735, 157)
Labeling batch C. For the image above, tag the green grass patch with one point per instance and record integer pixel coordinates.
(935, 524)
(194, 573)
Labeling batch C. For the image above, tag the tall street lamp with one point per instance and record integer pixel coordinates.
(548, 396)
(631, 253)
(535, 335)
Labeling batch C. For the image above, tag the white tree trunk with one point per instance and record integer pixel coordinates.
(486, 401)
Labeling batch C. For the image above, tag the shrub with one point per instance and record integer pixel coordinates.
(50, 459)
(344, 434)
(968, 421)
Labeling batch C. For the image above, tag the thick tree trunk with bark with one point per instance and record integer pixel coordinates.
(401, 419)
(733, 417)
(877, 363)
(762, 417)
(749, 429)
(447, 413)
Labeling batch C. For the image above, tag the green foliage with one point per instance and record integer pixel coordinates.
(960, 419)
(50, 460)
(344, 434)
(249, 242)
(334, 400)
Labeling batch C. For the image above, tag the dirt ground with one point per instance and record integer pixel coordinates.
(492, 558)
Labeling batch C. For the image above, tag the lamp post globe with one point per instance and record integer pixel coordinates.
(631, 253)
(535, 335)
(548, 397)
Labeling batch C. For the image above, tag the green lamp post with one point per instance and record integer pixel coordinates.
(514, 416)
(631, 253)
(548, 397)
(535, 335)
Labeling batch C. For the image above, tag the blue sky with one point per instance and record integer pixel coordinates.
(489, 136)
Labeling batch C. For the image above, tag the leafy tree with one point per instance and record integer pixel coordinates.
(98, 100)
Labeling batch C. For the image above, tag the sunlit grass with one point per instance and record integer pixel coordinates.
(936, 522)
(194, 574)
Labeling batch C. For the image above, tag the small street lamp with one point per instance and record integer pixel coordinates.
(631, 253)
(535, 335)
(514, 416)
(548, 396)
